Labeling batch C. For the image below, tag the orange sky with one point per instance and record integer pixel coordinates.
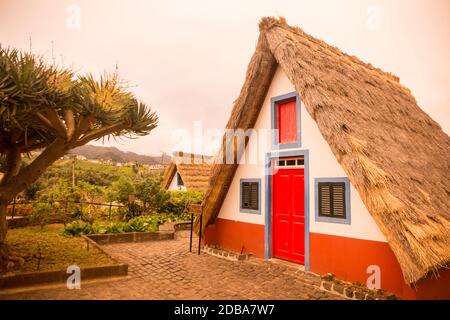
(187, 59)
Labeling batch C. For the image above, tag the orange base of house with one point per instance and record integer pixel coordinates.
(349, 258)
(346, 258)
(236, 236)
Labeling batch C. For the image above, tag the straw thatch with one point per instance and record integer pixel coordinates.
(194, 170)
(395, 155)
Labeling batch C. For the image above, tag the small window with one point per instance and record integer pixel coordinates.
(291, 163)
(285, 120)
(333, 200)
(250, 196)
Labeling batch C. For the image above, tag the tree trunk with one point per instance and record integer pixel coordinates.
(25, 177)
(3, 230)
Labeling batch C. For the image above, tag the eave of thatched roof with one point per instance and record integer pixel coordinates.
(194, 170)
(395, 155)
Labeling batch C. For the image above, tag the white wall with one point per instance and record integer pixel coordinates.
(322, 164)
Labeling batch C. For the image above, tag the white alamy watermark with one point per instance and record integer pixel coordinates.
(231, 146)
(73, 20)
(374, 19)
(374, 279)
(74, 278)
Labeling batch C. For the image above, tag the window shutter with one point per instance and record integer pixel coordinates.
(339, 199)
(254, 196)
(325, 199)
(332, 199)
(250, 195)
(246, 195)
(287, 122)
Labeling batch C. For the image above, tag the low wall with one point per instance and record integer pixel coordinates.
(60, 276)
(130, 237)
(25, 221)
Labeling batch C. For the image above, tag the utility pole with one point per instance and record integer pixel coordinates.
(73, 170)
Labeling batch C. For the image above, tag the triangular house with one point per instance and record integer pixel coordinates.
(187, 172)
(355, 180)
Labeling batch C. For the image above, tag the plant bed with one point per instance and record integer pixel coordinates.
(166, 232)
(42, 255)
(143, 223)
(129, 237)
(46, 249)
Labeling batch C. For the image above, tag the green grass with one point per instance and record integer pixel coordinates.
(58, 251)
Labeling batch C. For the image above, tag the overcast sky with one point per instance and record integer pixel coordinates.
(187, 58)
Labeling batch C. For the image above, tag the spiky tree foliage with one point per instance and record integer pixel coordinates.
(49, 109)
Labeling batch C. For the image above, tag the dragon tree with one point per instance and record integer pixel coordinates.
(50, 110)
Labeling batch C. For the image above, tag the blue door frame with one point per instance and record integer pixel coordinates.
(268, 218)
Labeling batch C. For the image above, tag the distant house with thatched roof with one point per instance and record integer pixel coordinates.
(354, 179)
(187, 172)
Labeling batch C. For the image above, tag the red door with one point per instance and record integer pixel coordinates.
(288, 215)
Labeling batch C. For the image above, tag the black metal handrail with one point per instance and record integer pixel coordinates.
(196, 210)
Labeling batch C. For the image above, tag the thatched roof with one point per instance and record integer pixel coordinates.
(194, 170)
(395, 155)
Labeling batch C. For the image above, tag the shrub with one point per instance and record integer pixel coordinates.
(153, 197)
(31, 191)
(142, 224)
(116, 227)
(120, 190)
(131, 210)
(78, 228)
(145, 223)
(43, 207)
(179, 200)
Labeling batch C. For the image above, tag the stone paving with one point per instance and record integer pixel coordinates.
(166, 270)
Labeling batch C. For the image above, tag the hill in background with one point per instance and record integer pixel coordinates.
(116, 155)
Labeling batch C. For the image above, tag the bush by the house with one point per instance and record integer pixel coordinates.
(145, 223)
(180, 200)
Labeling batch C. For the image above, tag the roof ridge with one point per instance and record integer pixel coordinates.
(268, 23)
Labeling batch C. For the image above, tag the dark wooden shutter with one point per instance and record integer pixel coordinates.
(339, 200)
(324, 199)
(246, 195)
(250, 195)
(332, 199)
(254, 196)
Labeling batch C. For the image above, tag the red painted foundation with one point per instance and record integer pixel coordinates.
(237, 236)
(349, 258)
(346, 258)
